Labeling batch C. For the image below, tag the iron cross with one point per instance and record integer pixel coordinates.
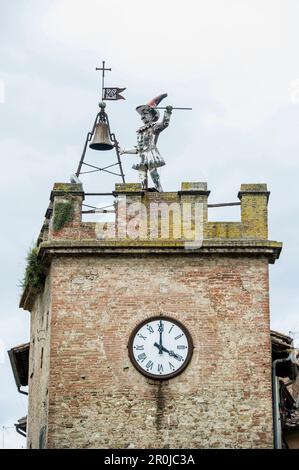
(103, 75)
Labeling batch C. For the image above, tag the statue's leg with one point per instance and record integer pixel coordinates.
(156, 179)
(143, 178)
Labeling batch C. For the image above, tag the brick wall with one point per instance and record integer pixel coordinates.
(96, 396)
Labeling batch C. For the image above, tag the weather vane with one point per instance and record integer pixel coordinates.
(147, 137)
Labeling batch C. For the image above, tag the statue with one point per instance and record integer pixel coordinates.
(147, 138)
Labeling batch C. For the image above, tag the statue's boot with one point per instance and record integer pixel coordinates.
(142, 178)
(156, 179)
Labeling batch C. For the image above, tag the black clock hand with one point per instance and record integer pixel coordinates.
(171, 353)
(160, 329)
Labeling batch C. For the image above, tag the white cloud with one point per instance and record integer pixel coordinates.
(245, 50)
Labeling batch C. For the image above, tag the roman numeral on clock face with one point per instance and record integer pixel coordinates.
(149, 365)
(141, 336)
(141, 357)
(179, 336)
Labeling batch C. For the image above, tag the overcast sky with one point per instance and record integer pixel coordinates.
(234, 61)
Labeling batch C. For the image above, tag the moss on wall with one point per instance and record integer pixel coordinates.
(63, 213)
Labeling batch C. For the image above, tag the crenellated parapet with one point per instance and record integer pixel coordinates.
(147, 213)
(155, 222)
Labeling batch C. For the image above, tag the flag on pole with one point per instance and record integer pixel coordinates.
(113, 94)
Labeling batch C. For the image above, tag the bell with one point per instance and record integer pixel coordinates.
(101, 139)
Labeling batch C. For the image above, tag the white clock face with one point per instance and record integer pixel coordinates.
(160, 347)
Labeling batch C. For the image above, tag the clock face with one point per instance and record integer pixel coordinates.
(160, 347)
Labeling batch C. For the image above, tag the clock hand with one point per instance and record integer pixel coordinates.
(160, 329)
(161, 348)
(171, 353)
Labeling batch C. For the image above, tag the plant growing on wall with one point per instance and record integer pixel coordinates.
(34, 275)
(63, 213)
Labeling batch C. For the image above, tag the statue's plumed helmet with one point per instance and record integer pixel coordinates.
(150, 107)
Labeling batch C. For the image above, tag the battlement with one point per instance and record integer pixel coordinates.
(152, 216)
(151, 222)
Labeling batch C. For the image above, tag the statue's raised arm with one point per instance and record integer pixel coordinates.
(160, 126)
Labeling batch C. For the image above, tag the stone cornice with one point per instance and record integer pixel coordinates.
(231, 247)
(268, 248)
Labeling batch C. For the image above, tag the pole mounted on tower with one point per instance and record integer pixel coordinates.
(103, 76)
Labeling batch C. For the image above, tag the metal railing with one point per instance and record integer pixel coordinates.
(94, 209)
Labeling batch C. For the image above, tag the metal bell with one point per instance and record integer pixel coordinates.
(101, 139)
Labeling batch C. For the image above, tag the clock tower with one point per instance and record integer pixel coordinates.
(151, 331)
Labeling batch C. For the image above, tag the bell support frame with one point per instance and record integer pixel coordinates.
(101, 117)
